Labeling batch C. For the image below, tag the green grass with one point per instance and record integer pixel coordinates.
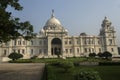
(105, 72)
(50, 60)
(57, 73)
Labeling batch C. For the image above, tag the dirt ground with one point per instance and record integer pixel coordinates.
(26, 71)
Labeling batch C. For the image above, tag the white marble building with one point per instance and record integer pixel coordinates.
(53, 38)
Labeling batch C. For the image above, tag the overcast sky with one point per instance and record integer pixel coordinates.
(75, 15)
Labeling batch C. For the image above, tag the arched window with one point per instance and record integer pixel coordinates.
(31, 42)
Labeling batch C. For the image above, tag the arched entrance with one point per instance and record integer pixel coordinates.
(56, 46)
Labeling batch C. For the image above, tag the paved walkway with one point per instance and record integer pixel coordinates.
(26, 71)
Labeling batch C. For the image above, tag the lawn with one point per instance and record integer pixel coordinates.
(105, 72)
(50, 60)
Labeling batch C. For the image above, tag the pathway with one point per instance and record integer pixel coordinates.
(22, 71)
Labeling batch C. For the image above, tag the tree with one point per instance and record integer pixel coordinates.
(11, 27)
(107, 55)
(14, 56)
(100, 54)
(92, 54)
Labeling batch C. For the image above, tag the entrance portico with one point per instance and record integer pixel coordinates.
(56, 46)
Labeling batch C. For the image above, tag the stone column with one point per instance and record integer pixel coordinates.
(49, 46)
(74, 48)
(63, 47)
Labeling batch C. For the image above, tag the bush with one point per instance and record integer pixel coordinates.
(14, 56)
(109, 63)
(100, 55)
(66, 65)
(33, 57)
(55, 63)
(87, 74)
(76, 63)
(92, 54)
(107, 55)
(50, 74)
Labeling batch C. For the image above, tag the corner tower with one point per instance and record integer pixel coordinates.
(109, 37)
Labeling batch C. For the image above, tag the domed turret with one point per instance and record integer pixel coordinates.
(106, 22)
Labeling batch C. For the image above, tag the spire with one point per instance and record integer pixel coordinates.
(106, 18)
(52, 13)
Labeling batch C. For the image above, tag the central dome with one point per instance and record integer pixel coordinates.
(53, 21)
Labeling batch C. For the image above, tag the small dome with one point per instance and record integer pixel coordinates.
(53, 21)
(42, 31)
(66, 30)
(83, 34)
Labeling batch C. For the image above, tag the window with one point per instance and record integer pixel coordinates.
(110, 41)
(70, 42)
(5, 52)
(14, 50)
(112, 49)
(15, 42)
(19, 51)
(45, 51)
(89, 50)
(85, 42)
(70, 50)
(93, 41)
(31, 51)
(31, 42)
(40, 51)
(6, 43)
(99, 49)
(44, 42)
(65, 42)
(19, 42)
(77, 42)
(92, 49)
(23, 42)
(89, 41)
(40, 42)
(85, 49)
(109, 34)
(23, 51)
(77, 50)
(66, 50)
(98, 42)
(107, 26)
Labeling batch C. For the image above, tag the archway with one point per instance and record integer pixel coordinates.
(56, 46)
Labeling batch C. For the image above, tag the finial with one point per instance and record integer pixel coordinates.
(52, 13)
(105, 18)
